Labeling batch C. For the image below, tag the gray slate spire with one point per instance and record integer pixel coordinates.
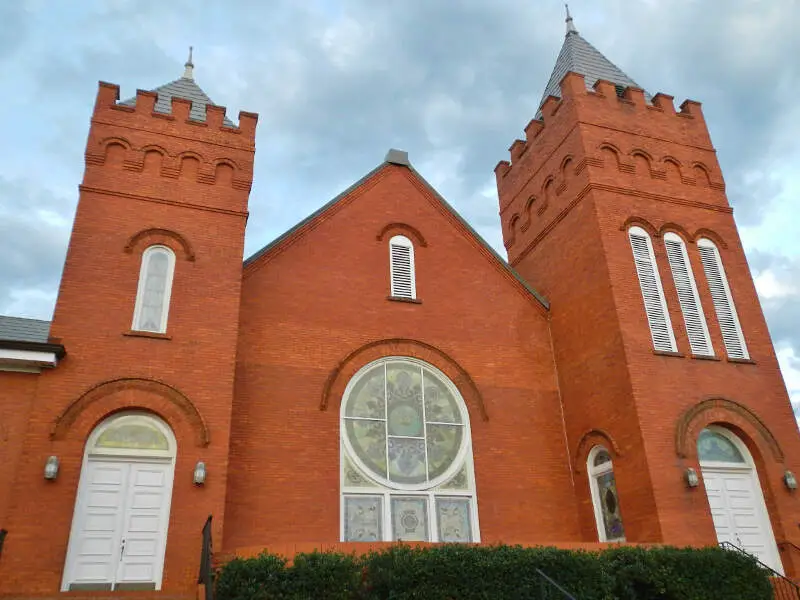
(185, 88)
(579, 56)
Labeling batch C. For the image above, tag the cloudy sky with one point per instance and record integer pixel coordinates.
(337, 82)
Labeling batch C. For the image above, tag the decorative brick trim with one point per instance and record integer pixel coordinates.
(147, 334)
(720, 410)
(669, 353)
(155, 235)
(712, 235)
(350, 364)
(407, 230)
(401, 299)
(641, 222)
(165, 170)
(105, 392)
(590, 439)
(675, 228)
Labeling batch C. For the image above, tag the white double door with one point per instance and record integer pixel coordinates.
(739, 513)
(119, 529)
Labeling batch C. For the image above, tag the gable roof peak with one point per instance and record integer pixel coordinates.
(397, 157)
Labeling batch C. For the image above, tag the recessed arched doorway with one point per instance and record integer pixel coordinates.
(734, 495)
(119, 527)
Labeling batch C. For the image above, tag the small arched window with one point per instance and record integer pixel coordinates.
(155, 287)
(401, 268)
(728, 320)
(655, 305)
(604, 496)
(692, 309)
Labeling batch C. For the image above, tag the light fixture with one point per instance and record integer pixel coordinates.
(199, 473)
(790, 480)
(51, 468)
(692, 480)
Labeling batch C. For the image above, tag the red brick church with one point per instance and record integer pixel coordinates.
(378, 373)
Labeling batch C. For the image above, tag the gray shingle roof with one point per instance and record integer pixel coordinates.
(579, 56)
(184, 88)
(24, 330)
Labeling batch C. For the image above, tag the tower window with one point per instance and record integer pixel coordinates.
(655, 305)
(401, 267)
(692, 309)
(723, 301)
(155, 287)
(604, 496)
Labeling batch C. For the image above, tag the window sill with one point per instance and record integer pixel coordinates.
(401, 299)
(705, 357)
(668, 353)
(147, 334)
(742, 361)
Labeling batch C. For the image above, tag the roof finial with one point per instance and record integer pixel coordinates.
(570, 24)
(188, 74)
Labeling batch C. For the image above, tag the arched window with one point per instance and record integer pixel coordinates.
(655, 305)
(401, 267)
(728, 320)
(406, 462)
(155, 287)
(604, 496)
(692, 309)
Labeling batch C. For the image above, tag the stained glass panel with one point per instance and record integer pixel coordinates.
(134, 435)
(440, 405)
(363, 518)
(353, 477)
(404, 391)
(460, 481)
(406, 460)
(367, 396)
(444, 442)
(155, 285)
(609, 503)
(601, 458)
(453, 515)
(715, 446)
(368, 439)
(410, 519)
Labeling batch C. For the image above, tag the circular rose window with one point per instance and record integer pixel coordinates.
(404, 422)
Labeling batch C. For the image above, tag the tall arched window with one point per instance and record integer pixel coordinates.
(728, 320)
(692, 309)
(655, 305)
(604, 496)
(155, 287)
(406, 456)
(401, 267)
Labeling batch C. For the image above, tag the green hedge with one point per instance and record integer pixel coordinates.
(455, 572)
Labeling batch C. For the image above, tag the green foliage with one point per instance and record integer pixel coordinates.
(458, 572)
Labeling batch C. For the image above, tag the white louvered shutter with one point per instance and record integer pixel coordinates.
(692, 309)
(723, 301)
(655, 305)
(401, 267)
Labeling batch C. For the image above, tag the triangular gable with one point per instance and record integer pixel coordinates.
(398, 159)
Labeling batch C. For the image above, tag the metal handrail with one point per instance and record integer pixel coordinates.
(784, 588)
(206, 575)
(545, 589)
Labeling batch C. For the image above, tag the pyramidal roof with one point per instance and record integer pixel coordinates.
(579, 56)
(185, 88)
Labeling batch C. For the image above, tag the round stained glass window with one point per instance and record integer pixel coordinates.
(404, 422)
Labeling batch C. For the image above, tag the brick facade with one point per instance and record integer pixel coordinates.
(251, 372)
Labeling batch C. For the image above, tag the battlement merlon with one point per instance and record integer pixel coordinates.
(143, 115)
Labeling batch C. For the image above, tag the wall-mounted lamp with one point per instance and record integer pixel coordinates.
(789, 480)
(51, 468)
(692, 480)
(199, 473)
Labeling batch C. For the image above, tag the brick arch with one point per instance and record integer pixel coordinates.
(106, 142)
(155, 148)
(155, 235)
(590, 439)
(727, 413)
(703, 171)
(675, 228)
(98, 402)
(606, 147)
(641, 222)
(644, 155)
(402, 229)
(565, 163)
(712, 235)
(350, 364)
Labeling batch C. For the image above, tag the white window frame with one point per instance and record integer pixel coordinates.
(167, 287)
(639, 232)
(706, 243)
(595, 472)
(689, 299)
(430, 490)
(401, 241)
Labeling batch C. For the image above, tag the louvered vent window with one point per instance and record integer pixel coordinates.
(401, 267)
(723, 301)
(692, 309)
(655, 305)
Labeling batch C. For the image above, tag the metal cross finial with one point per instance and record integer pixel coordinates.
(570, 24)
(188, 73)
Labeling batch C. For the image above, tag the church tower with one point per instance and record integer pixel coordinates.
(139, 410)
(614, 207)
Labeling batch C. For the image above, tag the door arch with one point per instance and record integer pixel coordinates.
(119, 526)
(735, 496)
